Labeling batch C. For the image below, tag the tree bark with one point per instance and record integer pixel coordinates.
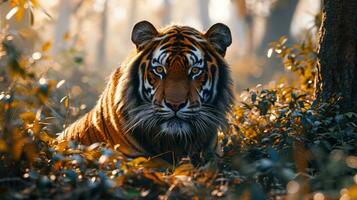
(337, 54)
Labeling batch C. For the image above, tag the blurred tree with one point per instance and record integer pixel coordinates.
(101, 46)
(132, 13)
(204, 13)
(278, 23)
(166, 18)
(248, 22)
(62, 27)
(337, 54)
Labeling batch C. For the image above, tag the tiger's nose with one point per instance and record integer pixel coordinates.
(175, 105)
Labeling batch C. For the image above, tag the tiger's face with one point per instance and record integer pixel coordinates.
(178, 81)
(181, 81)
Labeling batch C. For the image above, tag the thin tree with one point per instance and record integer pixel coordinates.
(204, 13)
(337, 54)
(278, 23)
(101, 45)
(62, 27)
(166, 18)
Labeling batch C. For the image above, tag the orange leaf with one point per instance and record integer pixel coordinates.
(20, 13)
(184, 169)
(46, 46)
(28, 116)
(12, 12)
(3, 146)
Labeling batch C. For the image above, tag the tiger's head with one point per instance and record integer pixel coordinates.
(178, 89)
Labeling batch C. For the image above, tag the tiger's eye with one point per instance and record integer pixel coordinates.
(159, 69)
(195, 70)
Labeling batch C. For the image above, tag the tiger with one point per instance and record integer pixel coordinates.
(170, 98)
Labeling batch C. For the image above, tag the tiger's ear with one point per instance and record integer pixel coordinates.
(142, 33)
(220, 37)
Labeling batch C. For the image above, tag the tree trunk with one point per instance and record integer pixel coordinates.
(337, 54)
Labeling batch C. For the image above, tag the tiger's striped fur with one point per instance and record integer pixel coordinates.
(172, 96)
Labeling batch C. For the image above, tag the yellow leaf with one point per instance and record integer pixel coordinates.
(46, 46)
(154, 176)
(352, 192)
(3, 146)
(59, 84)
(155, 163)
(20, 13)
(65, 101)
(184, 169)
(36, 127)
(66, 36)
(28, 116)
(92, 155)
(137, 161)
(46, 138)
(35, 3)
(11, 13)
(61, 146)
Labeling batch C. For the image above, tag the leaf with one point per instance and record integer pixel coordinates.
(273, 154)
(28, 116)
(3, 146)
(154, 176)
(46, 138)
(12, 12)
(270, 52)
(65, 101)
(352, 192)
(61, 146)
(137, 161)
(20, 13)
(156, 163)
(46, 46)
(186, 169)
(131, 193)
(351, 115)
(59, 84)
(66, 36)
(35, 3)
(36, 124)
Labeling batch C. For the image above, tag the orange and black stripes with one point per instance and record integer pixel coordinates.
(172, 96)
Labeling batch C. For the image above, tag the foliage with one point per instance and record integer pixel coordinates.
(279, 144)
